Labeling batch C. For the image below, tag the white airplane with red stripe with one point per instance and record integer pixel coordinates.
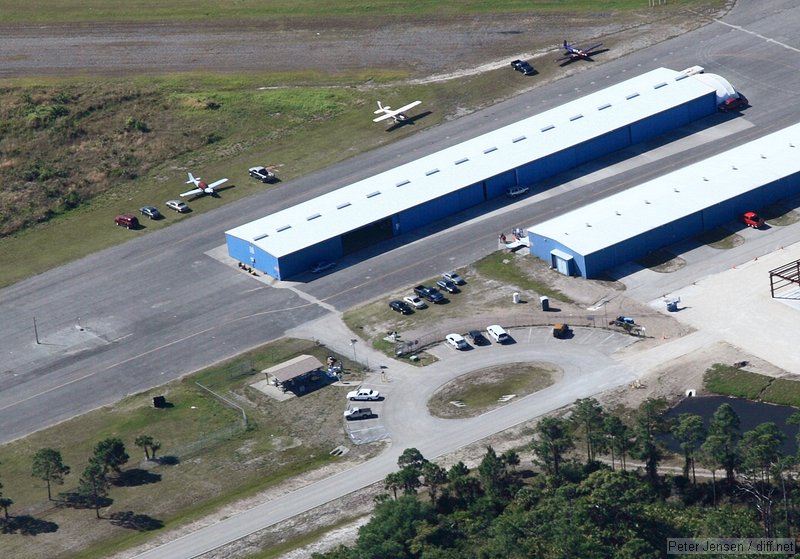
(202, 188)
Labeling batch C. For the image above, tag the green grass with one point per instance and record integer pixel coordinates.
(503, 267)
(783, 391)
(288, 11)
(725, 379)
(219, 461)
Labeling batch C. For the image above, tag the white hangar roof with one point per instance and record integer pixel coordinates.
(480, 158)
(670, 197)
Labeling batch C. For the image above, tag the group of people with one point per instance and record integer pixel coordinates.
(247, 269)
(518, 235)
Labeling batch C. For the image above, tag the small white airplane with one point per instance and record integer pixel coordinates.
(202, 188)
(395, 114)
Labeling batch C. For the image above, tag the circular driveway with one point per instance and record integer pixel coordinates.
(585, 360)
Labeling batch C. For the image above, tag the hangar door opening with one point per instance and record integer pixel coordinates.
(367, 235)
(561, 261)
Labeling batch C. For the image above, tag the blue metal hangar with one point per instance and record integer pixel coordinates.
(407, 197)
(671, 208)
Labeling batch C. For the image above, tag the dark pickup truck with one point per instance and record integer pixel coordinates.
(429, 293)
(523, 66)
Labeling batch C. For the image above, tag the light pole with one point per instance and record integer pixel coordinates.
(353, 345)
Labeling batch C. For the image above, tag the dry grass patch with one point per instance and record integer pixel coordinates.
(661, 261)
(481, 391)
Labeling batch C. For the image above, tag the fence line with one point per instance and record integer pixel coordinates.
(224, 400)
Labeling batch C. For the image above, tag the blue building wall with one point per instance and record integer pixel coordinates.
(304, 260)
(702, 107)
(496, 186)
(659, 123)
(603, 145)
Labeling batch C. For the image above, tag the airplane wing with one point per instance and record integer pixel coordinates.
(406, 107)
(215, 184)
(393, 112)
(192, 192)
(590, 49)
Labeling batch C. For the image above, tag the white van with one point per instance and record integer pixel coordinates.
(498, 333)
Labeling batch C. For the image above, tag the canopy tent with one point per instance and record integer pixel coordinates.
(293, 368)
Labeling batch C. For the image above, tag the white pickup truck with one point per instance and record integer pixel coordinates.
(357, 413)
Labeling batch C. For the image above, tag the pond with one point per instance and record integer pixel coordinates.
(750, 413)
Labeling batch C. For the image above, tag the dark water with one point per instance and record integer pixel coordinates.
(750, 413)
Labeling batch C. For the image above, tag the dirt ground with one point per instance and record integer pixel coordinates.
(425, 47)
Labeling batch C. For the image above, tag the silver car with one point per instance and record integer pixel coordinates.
(178, 205)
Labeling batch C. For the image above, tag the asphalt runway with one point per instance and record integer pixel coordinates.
(156, 308)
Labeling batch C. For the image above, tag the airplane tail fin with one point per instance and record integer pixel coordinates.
(380, 109)
(192, 179)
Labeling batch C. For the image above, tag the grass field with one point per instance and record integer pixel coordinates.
(182, 114)
(213, 458)
(501, 267)
(61, 11)
(725, 379)
(728, 380)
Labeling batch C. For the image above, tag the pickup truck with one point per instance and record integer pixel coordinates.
(357, 413)
(429, 293)
(522, 66)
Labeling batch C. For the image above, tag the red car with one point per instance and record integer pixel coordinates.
(733, 103)
(752, 219)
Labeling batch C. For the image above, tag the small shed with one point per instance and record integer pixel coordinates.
(290, 370)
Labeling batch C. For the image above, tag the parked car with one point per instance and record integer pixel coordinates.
(400, 307)
(429, 293)
(322, 266)
(477, 338)
(358, 413)
(261, 173)
(457, 341)
(561, 330)
(752, 219)
(454, 277)
(516, 191)
(498, 333)
(178, 205)
(416, 302)
(522, 66)
(733, 103)
(128, 221)
(364, 394)
(150, 212)
(448, 286)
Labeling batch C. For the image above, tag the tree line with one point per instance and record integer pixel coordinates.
(103, 468)
(580, 496)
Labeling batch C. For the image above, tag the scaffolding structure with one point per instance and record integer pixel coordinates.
(785, 276)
